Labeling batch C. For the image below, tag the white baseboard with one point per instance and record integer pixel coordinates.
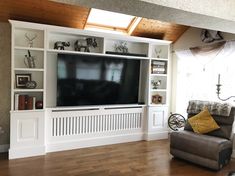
(156, 136)
(27, 152)
(233, 154)
(4, 148)
(92, 142)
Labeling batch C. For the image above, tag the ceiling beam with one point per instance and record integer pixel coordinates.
(200, 13)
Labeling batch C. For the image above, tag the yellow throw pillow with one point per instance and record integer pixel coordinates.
(203, 122)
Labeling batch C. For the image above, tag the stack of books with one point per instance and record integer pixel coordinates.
(24, 102)
(158, 67)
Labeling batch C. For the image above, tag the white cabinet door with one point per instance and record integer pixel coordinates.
(159, 117)
(157, 123)
(27, 130)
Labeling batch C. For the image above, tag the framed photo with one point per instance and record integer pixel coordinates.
(22, 79)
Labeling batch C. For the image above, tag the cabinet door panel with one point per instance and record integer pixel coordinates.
(27, 129)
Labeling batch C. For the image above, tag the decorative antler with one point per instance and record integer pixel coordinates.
(30, 40)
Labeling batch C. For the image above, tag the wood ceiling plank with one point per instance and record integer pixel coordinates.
(44, 11)
(159, 30)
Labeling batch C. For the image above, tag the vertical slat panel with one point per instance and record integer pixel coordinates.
(53, 127)
(75, 124)
(80, 125)
(106, 122)
(70, 126)
(57, 130)
(140, 116)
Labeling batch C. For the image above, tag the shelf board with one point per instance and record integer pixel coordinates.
(71, 52)
(160, 59)
(28, 111)
(29, 69)
(94, 54)
(158, 90)
(28, 48)
(32, 110)
(28, 90)
(158, 105)
(158, 74)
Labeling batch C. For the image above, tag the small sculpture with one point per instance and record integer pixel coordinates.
(158, 52)
(85, 44)
(121, 47)
(156, 84)
(157, 99)
(29, 60)
(31, 84)
(60, 45)
(30, 39)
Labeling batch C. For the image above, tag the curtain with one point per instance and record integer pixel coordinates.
(197, 73)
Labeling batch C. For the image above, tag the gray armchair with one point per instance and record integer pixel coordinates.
(212, 150)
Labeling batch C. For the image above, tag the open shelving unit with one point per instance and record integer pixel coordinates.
(22, 72)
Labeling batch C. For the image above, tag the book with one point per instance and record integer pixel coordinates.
(16, 102)
(29, 105)
(34, 102)
(21, 102)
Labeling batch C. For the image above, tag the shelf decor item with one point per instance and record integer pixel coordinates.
(22, 79)
(121, 47)
(218, 85)
(31, 85)
(156, 84)
(158, 67)
(176, 122)
(59, 45)
(158, 52)
(30, 37)
(156, 99)
(39, 105)
(85, 44)
(29, 60)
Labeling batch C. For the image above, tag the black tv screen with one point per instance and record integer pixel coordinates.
(96, 80)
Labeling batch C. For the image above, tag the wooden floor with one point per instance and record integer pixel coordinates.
(129, 159)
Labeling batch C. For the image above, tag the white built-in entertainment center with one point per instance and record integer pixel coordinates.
(48, 128)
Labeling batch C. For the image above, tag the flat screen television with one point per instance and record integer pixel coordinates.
(96, 80)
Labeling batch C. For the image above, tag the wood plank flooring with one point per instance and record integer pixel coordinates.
(129, 159)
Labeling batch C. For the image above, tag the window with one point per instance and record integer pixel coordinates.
(116, 22)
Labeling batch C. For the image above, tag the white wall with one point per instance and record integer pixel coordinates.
(191, 38)
(5, 82)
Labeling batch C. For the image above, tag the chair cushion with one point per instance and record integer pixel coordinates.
(203, 122)
(198, 144)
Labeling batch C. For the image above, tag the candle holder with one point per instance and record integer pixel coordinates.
(218, 91)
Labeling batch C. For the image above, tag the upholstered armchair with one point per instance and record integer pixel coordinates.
(212, 150)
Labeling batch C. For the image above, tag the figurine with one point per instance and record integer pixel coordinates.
(30, 39)
(60, 45)
(156, 84)
(121, 47)
(85, 44)
(29, 60)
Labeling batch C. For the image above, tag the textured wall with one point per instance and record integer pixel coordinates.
(5, 81)
(211, 14)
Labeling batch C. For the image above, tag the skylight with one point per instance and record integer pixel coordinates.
(105, 20)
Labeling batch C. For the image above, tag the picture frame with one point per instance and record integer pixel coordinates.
(22, 79)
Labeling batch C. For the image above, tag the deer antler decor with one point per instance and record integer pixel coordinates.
(30, 39)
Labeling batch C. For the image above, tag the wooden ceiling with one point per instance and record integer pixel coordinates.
(159, 30)
(48, 12)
